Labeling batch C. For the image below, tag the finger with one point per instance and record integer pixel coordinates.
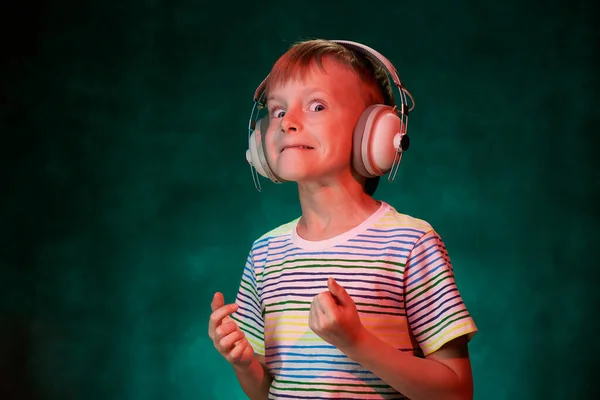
(217, 317)
(228, 341)
(318, 313)
(326, 304)
(217, 302)
(225, 329)
(238, 350)
(338, 292)
(312, 317)
(223, 312)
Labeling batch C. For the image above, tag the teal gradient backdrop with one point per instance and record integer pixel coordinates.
(127, 201)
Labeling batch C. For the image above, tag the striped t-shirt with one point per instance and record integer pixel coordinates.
(397, 271)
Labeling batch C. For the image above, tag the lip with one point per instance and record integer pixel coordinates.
(297, 147)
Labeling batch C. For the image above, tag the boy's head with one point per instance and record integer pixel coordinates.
(354, 82)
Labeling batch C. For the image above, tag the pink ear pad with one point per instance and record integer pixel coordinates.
(374, 127)
(357, 143)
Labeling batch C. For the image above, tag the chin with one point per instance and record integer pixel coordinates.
(293, 170)
(304, 177)
(293, 176)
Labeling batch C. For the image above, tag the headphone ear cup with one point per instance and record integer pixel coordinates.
(357, 143)
(255, 153)
(375, 134)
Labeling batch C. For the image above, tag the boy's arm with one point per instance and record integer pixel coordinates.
(444, 374)
(436, 314)
(255, 379)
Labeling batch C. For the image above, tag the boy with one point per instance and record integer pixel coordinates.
(353, 299)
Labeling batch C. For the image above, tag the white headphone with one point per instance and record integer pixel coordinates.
(380, 136)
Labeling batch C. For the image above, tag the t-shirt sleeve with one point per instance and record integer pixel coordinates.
(434, 307)
(249, 315)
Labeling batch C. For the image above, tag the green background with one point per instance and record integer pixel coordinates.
(127, 201)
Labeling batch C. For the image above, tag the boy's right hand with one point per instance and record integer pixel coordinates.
(226, 335)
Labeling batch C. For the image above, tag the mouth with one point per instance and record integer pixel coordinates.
(298, 147)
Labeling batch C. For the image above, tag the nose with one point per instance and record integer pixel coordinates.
(290, 122)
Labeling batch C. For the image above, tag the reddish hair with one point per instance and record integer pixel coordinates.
(301, 57)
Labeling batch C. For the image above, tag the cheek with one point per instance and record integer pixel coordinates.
(270, 144)
(341, 144)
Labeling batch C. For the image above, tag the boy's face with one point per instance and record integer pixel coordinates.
(311, 122)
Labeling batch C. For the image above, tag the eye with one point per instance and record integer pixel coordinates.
(317, 105)
(277, 112)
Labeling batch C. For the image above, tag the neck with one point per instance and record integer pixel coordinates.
(328, 211)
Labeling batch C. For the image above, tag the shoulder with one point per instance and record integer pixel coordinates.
(410, 234)
(280, 232)
(393, 219)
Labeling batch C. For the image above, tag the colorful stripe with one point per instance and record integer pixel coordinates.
(396, 269)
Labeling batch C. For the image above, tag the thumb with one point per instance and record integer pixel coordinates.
(217, 302)
(338, 291)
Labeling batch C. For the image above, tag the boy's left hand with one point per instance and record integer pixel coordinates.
(334, 318)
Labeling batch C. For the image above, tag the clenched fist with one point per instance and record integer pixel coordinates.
(334, 318)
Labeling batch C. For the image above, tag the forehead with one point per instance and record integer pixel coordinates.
(327, 75)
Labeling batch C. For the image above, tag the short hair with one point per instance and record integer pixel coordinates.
(301, 56)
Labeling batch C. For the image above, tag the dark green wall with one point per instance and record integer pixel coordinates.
(127, 202)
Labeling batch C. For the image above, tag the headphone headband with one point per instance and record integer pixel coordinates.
(375, 132)
(373, 55)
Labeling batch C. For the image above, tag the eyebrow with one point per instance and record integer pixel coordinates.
(308, 91)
